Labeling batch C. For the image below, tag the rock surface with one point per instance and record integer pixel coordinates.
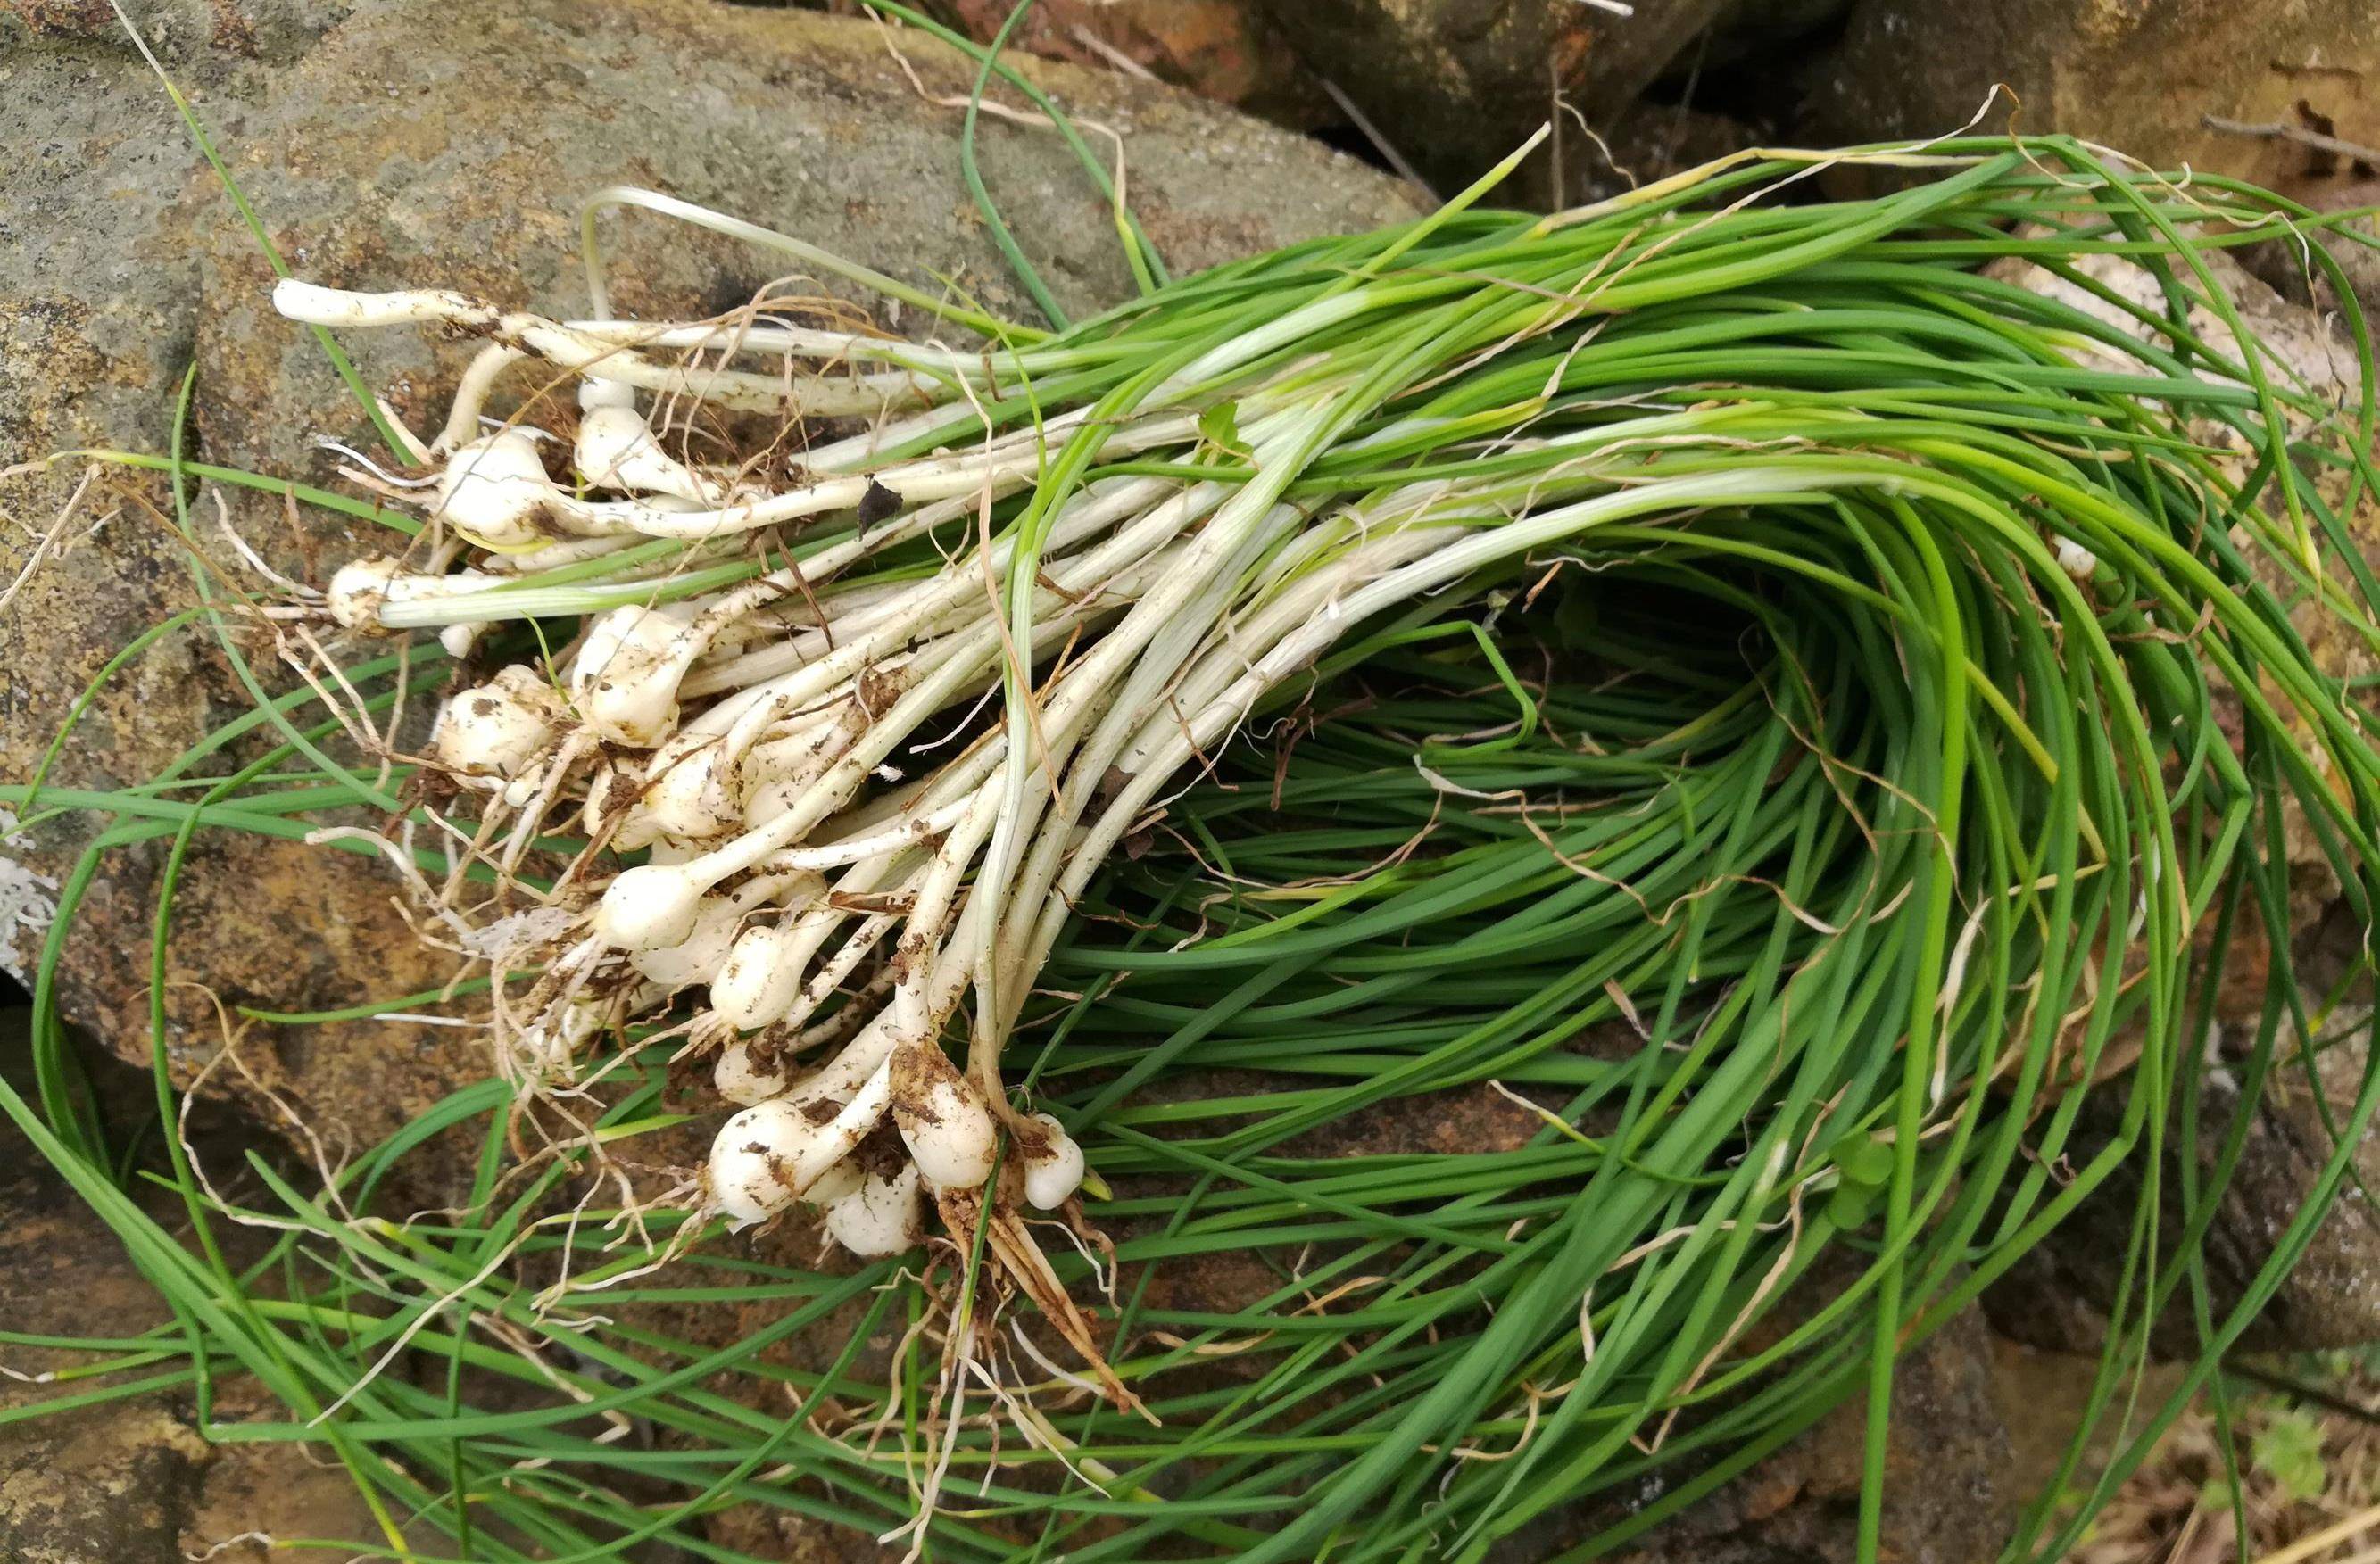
(1951, 1492)
(2138, 77)
(2289, 270)
(1456, 84)
(1227, 50)
(2058, 1294)
(383, 146)
(130, 1481)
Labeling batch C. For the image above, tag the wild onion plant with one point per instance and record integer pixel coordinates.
(1792, 708)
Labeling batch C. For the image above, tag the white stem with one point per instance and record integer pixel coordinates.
(842, 396)
(841, 1135)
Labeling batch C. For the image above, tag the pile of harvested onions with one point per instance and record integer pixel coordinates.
(1989, 715)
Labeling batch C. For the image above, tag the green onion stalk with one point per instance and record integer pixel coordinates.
(1793, 702)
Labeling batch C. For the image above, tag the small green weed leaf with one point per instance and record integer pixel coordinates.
(2288, 1450)
(1221, 426)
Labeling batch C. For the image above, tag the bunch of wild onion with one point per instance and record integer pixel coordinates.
(1205, 493)
(1792, 706)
